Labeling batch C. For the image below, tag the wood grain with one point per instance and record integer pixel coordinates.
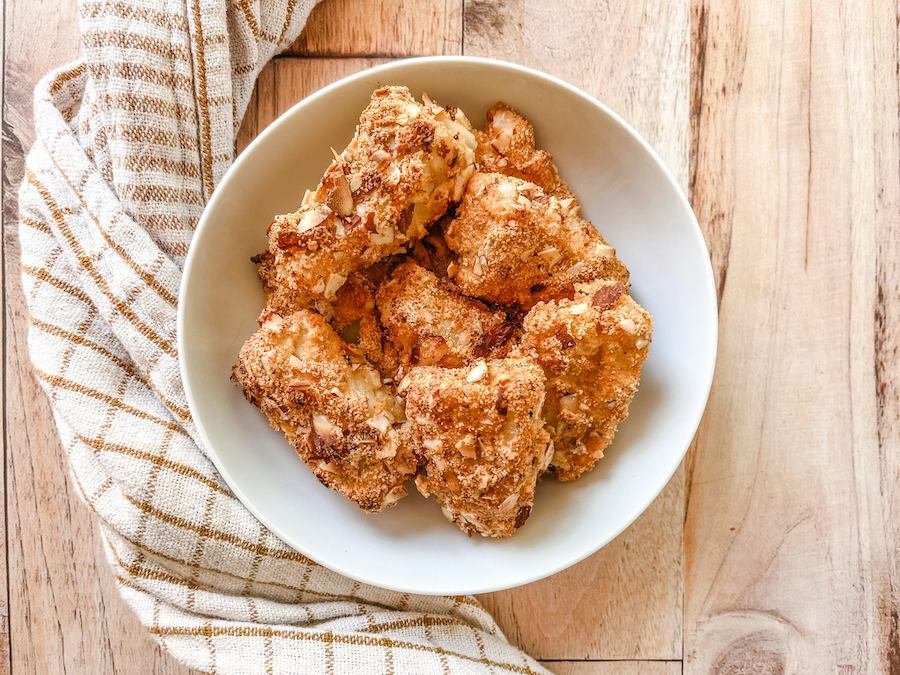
(5, 653)
(792, 535)
(625, 601)
(784, 125)
(385, 28)
(614, 667)
(65, 612)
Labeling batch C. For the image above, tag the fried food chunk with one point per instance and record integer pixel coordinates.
(331, 406)
(432, 323)
(479, 433)
(405, 164)
(591, 348)
(507, 146)
(516, 244)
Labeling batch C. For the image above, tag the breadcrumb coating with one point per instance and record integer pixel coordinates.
(405, 164)
(331, 406)
(507, 146)
(431, 323)
(478, 431)
(592, 348)
(470, 345)
(516, 244)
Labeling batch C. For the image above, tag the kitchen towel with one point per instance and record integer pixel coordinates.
(131, 141)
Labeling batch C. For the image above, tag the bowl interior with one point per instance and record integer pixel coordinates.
(625, 192)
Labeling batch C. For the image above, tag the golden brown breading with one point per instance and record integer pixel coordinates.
(592, 349)
(405, 164)
(516, 244)
(331, 406)
(479, 432)
(431, 323)
(507, 146)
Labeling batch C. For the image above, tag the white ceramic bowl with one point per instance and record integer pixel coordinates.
(626, 191)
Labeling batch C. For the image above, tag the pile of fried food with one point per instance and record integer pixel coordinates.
(437, 309)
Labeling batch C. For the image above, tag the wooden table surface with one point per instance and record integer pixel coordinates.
(776, 548)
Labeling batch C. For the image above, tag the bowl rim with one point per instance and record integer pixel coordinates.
(400, 64)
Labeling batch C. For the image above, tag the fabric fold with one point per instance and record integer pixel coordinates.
(131, 141)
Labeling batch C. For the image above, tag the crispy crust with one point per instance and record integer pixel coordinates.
(431, 323)
(405, 164)
(481, 440)
(516, 245)
(331, 406)
(348, 315)
(507, 146)
(591, 348)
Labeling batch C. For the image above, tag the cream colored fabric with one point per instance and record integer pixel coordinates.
(131, 142)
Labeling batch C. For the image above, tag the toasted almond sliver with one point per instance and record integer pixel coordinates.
(340, 199)
(550, 255)
(477, 372)
(273, 322)
(466, 450)
(509, 502)
(628, 326)
(311, 219)
(580, 308)
(335, 281)
(433, 444)
(380, 423)
(393, 496)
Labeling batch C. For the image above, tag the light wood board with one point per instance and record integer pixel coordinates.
(776, 548)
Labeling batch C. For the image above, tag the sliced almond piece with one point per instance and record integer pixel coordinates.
(433, 444)
(550, 255)
(311, 219)
(335, 281)
(339, 198)
(380, 423)
(477, 372)
(328, 432)
(628, 326)
(393, 496)
(508, 503)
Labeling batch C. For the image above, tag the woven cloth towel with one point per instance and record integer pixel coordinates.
(131, 141)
